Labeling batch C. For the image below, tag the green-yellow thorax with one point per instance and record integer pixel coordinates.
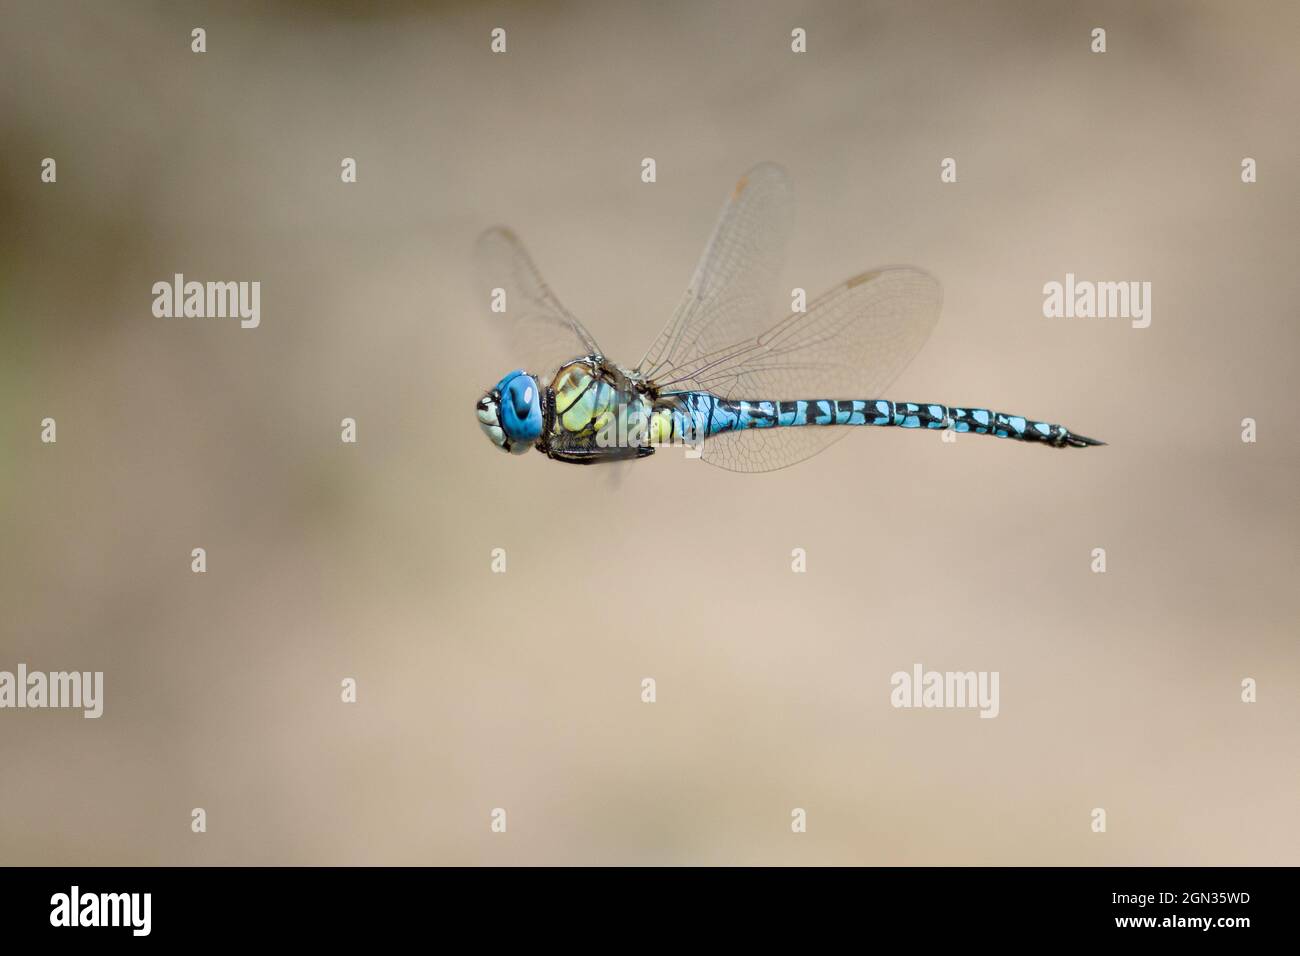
(590, 399)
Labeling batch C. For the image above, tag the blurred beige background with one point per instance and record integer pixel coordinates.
(476, 690)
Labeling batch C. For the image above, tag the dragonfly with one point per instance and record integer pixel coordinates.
(722, 379)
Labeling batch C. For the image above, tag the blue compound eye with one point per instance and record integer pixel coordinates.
(521, 407)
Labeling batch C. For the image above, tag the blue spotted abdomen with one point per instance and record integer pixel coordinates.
(712, 415)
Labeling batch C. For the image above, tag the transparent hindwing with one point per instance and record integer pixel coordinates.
(849, 344)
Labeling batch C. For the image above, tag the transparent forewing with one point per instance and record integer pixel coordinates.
(541, 333)
(731, 294)
(850, 344)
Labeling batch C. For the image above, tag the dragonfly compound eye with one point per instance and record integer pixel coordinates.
(511, 414)
(520, 409)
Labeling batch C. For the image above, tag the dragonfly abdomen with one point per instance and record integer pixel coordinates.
(714, 415)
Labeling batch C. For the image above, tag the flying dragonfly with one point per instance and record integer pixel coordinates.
(721, 378)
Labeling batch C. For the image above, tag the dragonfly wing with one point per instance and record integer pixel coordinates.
(768, 449)
(730, 296)
(850, 344)
(541, 333)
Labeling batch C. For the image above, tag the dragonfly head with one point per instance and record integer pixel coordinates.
(511, 413)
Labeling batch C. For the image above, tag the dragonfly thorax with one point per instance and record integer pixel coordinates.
(597, 411)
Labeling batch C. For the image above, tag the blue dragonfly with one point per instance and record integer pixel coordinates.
(721, 378)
